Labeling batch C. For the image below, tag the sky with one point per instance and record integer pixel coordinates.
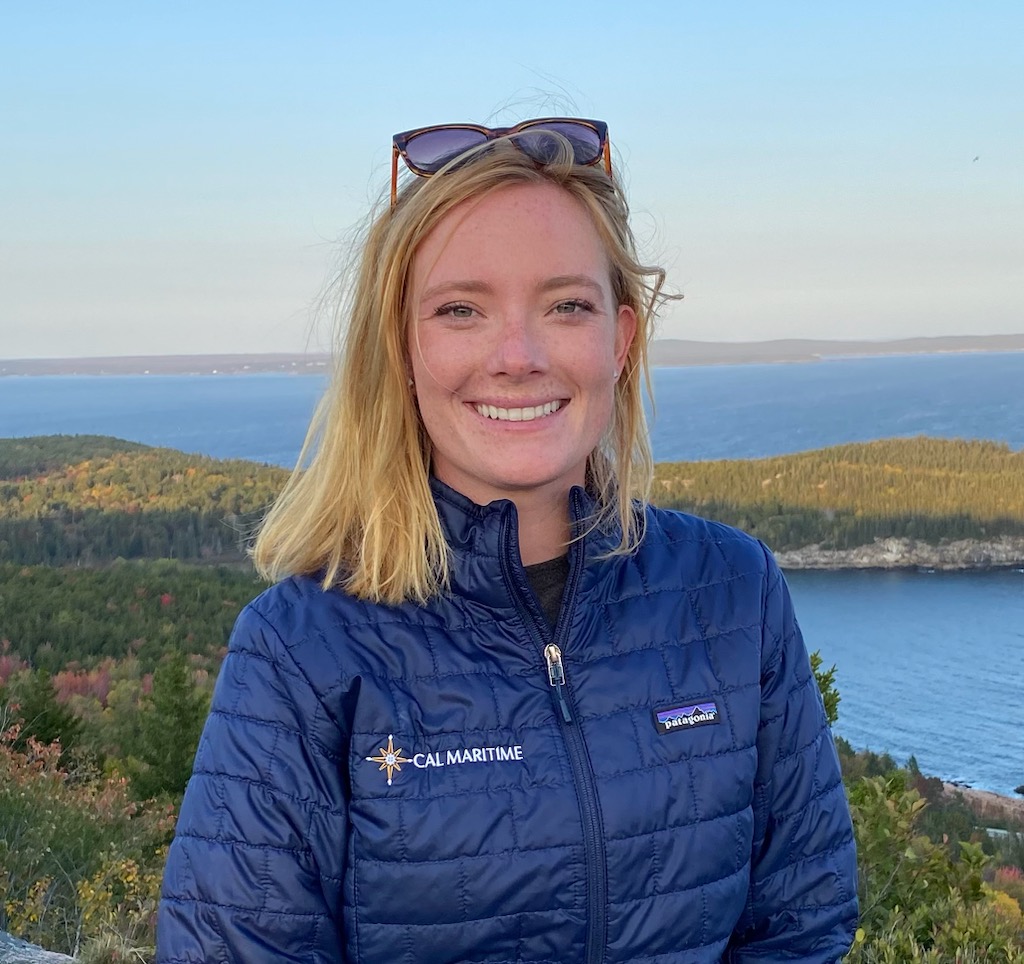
(180, 178)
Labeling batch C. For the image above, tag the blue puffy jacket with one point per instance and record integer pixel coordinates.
(435, 784)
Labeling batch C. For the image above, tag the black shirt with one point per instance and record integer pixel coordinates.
(547, 580)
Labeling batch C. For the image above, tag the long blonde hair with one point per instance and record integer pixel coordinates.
(360, 514)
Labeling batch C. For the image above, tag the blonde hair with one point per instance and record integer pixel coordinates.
(361, 514)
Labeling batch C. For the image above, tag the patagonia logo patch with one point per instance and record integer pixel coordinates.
(686, 717)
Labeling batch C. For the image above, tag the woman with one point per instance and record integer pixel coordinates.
(494, 709)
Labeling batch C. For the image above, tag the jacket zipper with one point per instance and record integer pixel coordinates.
(595, 859)
(556, 676)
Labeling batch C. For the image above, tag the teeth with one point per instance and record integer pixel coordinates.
(519, 414)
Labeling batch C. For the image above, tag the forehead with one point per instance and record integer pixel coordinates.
(537, 229)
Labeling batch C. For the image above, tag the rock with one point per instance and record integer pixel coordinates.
(14, 951)
(987, 805)
(1006, 552)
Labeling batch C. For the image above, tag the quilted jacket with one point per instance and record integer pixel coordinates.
(653, 782)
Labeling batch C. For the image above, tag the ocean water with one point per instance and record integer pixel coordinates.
(751, 411)
(928, 663)
(713, 412)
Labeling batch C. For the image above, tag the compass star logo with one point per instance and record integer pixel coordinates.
(390, 759)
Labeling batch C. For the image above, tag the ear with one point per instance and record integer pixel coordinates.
(625, 332)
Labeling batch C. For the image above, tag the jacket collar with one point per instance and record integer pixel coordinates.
(484, 541)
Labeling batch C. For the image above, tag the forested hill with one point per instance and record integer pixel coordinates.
(926, 489)
(115, 660)
(92, 499)
(40, 454)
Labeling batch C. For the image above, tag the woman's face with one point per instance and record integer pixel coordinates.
(515, 342)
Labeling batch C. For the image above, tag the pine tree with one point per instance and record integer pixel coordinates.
(826, 679)
(43, 718)
(171, 721)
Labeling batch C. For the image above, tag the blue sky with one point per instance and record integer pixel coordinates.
(181, 177)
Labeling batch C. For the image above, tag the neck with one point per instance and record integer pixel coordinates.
(543, 526)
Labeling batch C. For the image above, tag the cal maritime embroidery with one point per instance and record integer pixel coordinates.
(390, 759)
(686, 717)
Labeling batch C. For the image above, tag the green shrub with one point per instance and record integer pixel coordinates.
(79, 860)
(918, 901)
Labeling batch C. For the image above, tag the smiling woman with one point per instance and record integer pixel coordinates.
(515, 348)
(497, 707)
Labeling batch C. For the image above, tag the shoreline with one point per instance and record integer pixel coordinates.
(664, 353)
(922, 570)
(987, 804)
(890, 554)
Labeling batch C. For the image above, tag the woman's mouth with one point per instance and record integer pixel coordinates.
(527, 414)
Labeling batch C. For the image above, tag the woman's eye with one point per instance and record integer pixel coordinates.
(455, 311)
(573, 306)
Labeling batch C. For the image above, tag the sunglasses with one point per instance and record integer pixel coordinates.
(426, 150)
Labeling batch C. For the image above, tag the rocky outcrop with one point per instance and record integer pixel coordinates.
(1006, 552)
(14, 951)
(987, 806)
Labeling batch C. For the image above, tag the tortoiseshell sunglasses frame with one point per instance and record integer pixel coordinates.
(400, 142)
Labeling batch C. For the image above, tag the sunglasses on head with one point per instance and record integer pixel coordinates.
(426, 150)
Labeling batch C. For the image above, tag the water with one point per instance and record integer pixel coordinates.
(735, 411)
(262, 417)
(751, 411)
(929, 663)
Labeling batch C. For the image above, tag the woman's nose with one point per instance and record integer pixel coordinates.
(519, 348)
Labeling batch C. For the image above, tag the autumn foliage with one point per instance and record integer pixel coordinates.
(80, 860)
(106, 669)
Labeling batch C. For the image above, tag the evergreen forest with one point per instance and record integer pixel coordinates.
(68, 500)
(123, 567)
(928, 489)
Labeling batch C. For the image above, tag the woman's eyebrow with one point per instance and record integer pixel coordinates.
(446, 287)
(482, 287)
(570, 281)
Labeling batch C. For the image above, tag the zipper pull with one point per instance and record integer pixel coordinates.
(556, 676)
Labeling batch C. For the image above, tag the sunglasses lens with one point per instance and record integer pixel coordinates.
(535, 141)
(431, 150)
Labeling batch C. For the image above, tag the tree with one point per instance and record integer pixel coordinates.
(826, 686)
(32, 699)
(919, 902)
(171, 720)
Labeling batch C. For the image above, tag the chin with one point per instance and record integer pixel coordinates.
(523, 482)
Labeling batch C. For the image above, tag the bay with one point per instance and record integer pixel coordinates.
(928, 663)
(752, 411)
(713, 412)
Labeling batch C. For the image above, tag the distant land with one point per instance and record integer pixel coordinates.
(674, 351)
(664, 352)
(909, 503)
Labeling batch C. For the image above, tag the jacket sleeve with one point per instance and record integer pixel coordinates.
(802, 904)
(254, 872)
